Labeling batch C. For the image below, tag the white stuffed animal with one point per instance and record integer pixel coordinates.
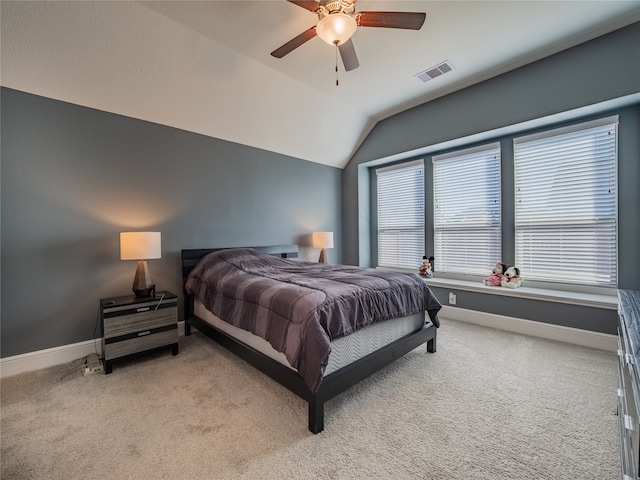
(497, 274)
(511, 278)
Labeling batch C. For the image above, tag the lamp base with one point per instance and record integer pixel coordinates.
(142, 285)
(146, 293)
(323, 257)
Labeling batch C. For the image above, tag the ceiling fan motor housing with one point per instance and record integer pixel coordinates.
(330, 7)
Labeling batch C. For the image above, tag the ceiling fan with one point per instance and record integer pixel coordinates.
(338, 21)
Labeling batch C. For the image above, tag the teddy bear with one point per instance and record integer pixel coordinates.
(511, 278)
(495, 279)
(426, 269)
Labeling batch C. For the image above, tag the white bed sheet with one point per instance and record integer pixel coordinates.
(344, 350)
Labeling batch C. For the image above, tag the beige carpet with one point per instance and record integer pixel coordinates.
(487, 405)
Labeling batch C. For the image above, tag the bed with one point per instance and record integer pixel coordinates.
(314, 328)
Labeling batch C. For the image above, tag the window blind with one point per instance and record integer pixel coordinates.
(566, 204)
(401, 215)
(467, 212)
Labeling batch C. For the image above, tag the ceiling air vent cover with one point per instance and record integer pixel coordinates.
(434, 72)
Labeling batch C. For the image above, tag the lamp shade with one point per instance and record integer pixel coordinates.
(322, 240)
(336, 28)
(140, 245)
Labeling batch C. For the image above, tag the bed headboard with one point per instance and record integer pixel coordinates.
(191, 257)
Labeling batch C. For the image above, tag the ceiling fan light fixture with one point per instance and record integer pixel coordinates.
(337, 28)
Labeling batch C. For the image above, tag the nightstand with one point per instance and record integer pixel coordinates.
(130, 326)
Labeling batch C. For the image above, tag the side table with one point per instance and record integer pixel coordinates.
(130, 326)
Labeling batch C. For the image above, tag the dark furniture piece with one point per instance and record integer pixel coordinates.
(629, 381)
(332, 384)
(131, 326)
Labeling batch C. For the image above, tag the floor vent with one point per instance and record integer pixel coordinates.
(434, 72)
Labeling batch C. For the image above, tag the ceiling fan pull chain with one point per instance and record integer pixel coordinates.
(337, 81)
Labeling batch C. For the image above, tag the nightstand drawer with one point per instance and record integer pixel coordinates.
(139, 342)
(131, 326)
(134, 322)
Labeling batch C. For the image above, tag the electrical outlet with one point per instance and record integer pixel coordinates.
(91, 369)
(452, 298)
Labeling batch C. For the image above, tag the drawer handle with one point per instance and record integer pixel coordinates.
(143, 309)
(142, 334)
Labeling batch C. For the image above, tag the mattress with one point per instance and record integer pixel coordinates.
(344, 350)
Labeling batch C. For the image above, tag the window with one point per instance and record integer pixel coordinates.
(566, 204)
(401, 215)
(467, 215)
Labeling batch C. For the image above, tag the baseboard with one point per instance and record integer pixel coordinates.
(47, 358)
(576, 336)
(53, 356)
(67, 353)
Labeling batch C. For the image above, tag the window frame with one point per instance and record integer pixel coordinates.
(409, 257)
(478, 259)
(555, 280)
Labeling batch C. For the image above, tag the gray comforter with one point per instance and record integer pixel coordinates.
(299, 307)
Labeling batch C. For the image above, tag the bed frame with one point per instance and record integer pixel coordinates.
(331, 385)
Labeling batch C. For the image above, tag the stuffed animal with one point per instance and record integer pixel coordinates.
(511, 278)
(495, 279)
(426, 269)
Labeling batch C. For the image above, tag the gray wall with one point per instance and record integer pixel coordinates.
(602, 70)
(74, 177)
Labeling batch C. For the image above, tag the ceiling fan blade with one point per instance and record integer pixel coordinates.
(310, 5)
(295, 43)
(349, 57)
(407, 20)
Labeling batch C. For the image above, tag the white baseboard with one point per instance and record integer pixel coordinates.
(576, 336)
(49, 357)
(67, 353)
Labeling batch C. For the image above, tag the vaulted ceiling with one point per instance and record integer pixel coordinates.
(205, 66)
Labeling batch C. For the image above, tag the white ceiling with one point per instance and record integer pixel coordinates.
(205, 66)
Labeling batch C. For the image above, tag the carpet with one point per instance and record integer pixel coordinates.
(488, 405)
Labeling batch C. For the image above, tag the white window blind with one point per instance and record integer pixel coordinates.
(566, 204)
(401, 215)
(467, 214)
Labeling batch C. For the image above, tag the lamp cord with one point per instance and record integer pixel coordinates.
(159, 301)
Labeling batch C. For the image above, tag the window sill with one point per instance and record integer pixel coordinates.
(609, 302)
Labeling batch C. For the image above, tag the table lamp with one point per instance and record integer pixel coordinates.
(141, 246)
(322, 240)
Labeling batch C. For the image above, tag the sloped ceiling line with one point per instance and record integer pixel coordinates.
(205, 66)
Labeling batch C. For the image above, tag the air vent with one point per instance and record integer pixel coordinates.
(434, 72)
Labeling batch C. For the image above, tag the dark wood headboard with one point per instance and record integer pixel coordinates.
(191, 257)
